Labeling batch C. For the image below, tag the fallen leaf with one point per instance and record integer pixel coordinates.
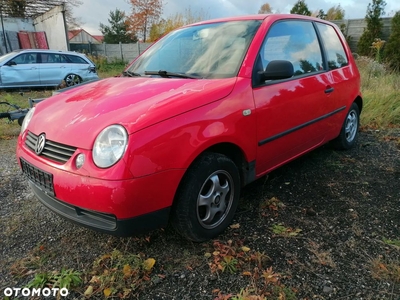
(246, 273)
(383, 267)
(95, 279)
(89, 291)
(235, 226)
(149, 263)
(107, 292)
(207, 254)
(245, 249)
(127, 270)
(216, 253)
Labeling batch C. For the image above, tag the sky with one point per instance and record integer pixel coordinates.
(93, 12)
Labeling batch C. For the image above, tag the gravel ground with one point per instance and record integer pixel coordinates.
(326, 226)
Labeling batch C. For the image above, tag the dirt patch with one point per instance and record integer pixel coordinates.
(326, 226)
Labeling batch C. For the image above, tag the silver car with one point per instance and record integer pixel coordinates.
(45, 68)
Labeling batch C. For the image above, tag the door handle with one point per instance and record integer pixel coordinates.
(329, 90)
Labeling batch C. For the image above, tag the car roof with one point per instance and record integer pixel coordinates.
(272, 17)
(46, 51)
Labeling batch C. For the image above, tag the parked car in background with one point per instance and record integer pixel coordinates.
(204, 111)
(45, 68)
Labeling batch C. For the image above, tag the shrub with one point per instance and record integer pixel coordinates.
(374, 27)
(391, 51)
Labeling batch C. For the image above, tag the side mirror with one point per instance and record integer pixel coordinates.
(10, 63)
(277, 69)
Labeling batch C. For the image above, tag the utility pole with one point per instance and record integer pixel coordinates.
(2, 25)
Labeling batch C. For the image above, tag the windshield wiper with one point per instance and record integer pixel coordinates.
(167, 74)
(130, 74)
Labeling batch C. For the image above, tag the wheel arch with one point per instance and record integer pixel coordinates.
(236, 154)
(359, 103)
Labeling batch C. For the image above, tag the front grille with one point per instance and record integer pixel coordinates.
(41, 178)
(52, 150)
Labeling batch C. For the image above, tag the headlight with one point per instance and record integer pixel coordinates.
(27, 119)
(109, 146)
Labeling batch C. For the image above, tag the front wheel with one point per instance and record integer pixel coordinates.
(72, 79)
(349, 132)
(207, 198)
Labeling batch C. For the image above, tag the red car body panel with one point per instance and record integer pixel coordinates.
(170, 122)
(134, 103)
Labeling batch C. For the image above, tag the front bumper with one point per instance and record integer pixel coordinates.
(100, 221)
(119, 207)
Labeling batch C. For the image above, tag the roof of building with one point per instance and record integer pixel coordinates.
(74, 32)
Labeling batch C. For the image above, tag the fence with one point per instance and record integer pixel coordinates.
(124, 52)
(355, 28)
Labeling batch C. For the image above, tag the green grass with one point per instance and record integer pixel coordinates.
(379, 88)
(108, 69)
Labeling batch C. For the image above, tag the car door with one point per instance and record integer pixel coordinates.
(22, 70)
(291, 113)
(339, 72)
(53, 69)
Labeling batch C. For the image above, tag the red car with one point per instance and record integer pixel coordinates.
(204, 111)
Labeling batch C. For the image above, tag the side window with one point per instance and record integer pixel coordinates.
(76, 59)
(336, 55)
(26, 58)
(295, 41)
(61, 58)
(48, 58)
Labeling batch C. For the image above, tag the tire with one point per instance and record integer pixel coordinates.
(72, 79)
(349, 133)
(207, 198)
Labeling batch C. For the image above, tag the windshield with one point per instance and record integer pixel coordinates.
(6, 57)
(209, 51)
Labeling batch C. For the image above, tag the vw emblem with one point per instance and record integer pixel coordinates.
(41, 141)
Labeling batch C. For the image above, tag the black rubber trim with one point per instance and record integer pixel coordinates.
(103, 222)
(279, 135)
(250, 174)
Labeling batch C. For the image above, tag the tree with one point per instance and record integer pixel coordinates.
(319, 14)
(391, 51)
(15, 8)
(164, 26)
(118, 30)
(265, 9)
(145, 13)
(373, 31)
(32, 8)
(70, 19)
(300, 8)
(335, 13)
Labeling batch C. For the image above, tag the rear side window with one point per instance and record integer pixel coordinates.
(336, 55)
(295, 41)
(76, 59)
(52, 58)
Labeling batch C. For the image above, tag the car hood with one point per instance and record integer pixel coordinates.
(75, 117)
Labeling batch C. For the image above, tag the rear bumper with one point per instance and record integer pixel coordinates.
(103, 222)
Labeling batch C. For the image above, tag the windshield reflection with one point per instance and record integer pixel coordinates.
(208, 51)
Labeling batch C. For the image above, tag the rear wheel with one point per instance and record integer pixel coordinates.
(349, 132)
(72, 79)
(207, 198)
